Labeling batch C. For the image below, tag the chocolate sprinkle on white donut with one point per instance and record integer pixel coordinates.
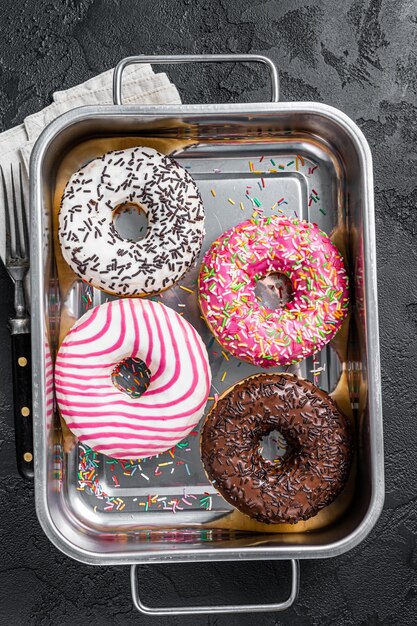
(171, 201)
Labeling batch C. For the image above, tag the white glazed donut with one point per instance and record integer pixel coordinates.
(166, 193)
(164, 346)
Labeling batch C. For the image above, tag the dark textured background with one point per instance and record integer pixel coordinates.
(359, 56)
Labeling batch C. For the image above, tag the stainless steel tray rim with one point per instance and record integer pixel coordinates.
(203, 554)
(38, 332)
(79, 114)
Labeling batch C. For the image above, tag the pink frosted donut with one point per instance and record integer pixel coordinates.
(252, 250)
(132, 378)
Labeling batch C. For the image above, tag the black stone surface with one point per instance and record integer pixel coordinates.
(359, 56)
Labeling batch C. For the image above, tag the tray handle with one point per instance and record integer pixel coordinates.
(199, 610)
(193, 58)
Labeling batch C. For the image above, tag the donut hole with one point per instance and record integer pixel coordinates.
(273, 447)
(131, 376)
(130, 221)
(274, 290)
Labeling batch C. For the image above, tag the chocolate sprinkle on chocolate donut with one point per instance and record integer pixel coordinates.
(310, 476)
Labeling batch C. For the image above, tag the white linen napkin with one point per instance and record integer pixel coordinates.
(140, 85)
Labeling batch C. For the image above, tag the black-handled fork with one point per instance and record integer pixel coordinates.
(17, 265)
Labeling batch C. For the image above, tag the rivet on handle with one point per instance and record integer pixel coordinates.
(25, 411)
(22, 361)
(28, 457)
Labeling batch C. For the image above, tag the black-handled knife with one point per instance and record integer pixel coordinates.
(17, 265)
(22, 394)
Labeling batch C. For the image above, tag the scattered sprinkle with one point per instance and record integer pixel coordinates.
(186, 289)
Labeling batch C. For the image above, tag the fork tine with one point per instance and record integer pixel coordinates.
(15, 218)
(6, 217)
(24, 217)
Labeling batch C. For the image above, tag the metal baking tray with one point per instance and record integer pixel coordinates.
(304, 159)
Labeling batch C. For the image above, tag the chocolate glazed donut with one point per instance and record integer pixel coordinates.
(311, 475)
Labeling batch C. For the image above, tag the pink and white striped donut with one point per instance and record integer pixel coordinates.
(168, 348)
